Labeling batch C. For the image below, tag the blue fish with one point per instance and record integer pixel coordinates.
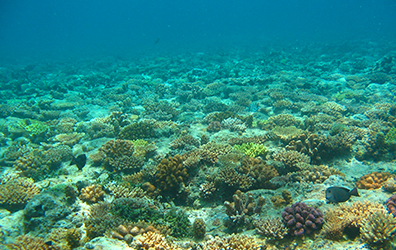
(340, 194)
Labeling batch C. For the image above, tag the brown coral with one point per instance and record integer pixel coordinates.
(92, 194)
(373, 180)
(271, 227)
(243, 206)
(32, 243)
(233, 242)
(291, 159)
(171, 174)
(15, 192)
(259, 171)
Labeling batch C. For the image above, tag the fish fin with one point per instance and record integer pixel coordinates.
(73, 161)
(354, 192)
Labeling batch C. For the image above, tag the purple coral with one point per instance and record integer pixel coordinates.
(301, 219)
(391, 205)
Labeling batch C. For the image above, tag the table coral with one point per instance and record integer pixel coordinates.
(301, 219)
(373, 180)
(15, 192)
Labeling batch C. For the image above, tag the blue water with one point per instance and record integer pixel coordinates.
(56, 28)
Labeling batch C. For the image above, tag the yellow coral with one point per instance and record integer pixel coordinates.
(92, 194)
(378, 228)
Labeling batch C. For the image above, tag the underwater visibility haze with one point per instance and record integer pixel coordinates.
(198, 125)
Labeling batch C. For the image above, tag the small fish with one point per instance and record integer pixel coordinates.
(340, 194)
(79, 161)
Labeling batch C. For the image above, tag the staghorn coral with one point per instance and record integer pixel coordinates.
(251, 149)
(171, 174)
(271, 227)
(259, 171)
(15, 192)
(233, 242)
(378, 229)
(92, 194)
(243, 207)
(373, 180)
(292, 160)
(301, 219)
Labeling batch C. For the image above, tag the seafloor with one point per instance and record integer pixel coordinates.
(208, 150)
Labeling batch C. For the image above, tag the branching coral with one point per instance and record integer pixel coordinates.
(234, 179)
(337, 219)
(185, 141)
(171, 174)
(259, 171)
(137, 130)
(125, 191)
(291, 160)
(271, 227)
(242, 207)
(15, 192)
(233, 242)
(92, 194)
(32, 243)
(208, 153)
(379, 228)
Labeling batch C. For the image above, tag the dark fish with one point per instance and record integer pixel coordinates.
(79, 161)
(339, 194)
(156, 40)
(48, 243)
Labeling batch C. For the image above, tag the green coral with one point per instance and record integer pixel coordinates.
(390, 137)
(33, 127)
(251, 149)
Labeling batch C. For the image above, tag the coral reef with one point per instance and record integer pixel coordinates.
(292, 160)
(92, 194)
(373, 180)
(272, 228)
(26, 242)
(301, 219)
(259, 171)
(379, 228)
(184, 141)
(199, 228)
(391, 205)
(137, 130)
(233, 242)
(15, 192)
(242, 207)
(251, 149)
(171, 174)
